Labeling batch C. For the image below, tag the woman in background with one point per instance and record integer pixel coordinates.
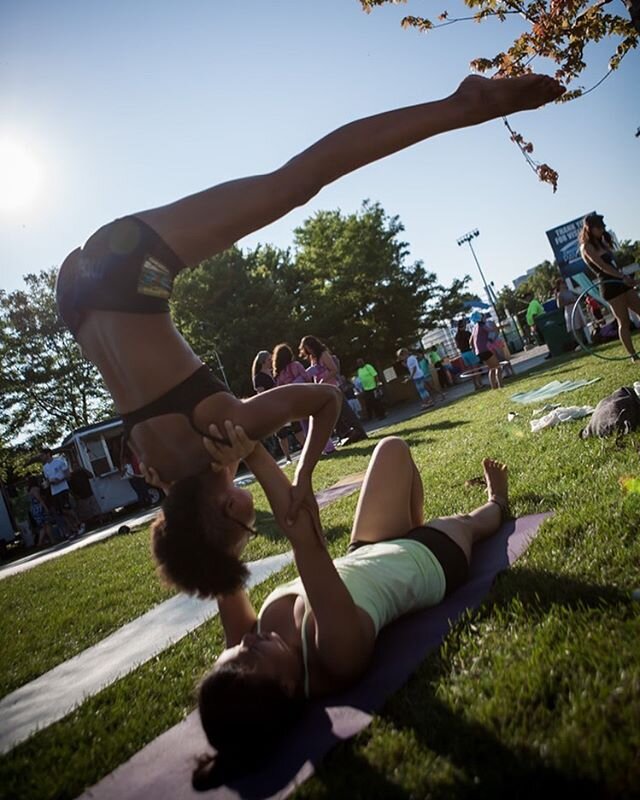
(263, 380)
(596, 249)
(325, 368)
(480, 343)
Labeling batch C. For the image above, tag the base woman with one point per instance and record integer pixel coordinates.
(114, 292)
(316, 634)
(596, 248)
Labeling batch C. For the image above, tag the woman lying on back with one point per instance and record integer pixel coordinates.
(316, 634)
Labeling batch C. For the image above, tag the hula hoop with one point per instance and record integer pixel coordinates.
(479, 370)
(588, 350)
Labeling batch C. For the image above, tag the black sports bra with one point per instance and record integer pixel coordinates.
(181, 399)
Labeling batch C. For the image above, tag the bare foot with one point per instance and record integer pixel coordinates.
(496, 477)
(489, 98)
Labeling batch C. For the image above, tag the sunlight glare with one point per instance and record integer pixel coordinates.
(19, 176)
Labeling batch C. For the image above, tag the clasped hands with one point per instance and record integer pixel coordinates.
(239, 448)
(233, 446)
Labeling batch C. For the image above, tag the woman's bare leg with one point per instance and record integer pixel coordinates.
(631, 303)
(495, 372)
(284, 446)
(620, 310)
(391, 499)
(208, 222)
(466, 529)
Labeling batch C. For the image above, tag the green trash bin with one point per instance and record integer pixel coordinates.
(553, 330)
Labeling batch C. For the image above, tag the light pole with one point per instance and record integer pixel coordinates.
(466, 239)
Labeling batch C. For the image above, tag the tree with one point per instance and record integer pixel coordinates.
(348, 282)
(449, 302)
(628, 253)
(46, 387)
(559, 30)
(360, 293)
(509, 302)
(541, 283)
(235, 304)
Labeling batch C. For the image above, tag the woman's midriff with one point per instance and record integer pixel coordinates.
(140, 356)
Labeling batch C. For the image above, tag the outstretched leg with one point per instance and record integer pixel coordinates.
(208, 222)
(620, 310)
(465, 529)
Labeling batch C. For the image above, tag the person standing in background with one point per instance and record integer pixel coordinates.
(263, 380)
(480, 342)
(416, 375)
(471, 360)
(498, 346)
(325, 368)
(56, 472)
(534, 309)
(436, 359)
(39, 515)
(368, 376)
(425, 366)
(618, 289)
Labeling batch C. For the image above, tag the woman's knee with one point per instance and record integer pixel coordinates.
(392, 446)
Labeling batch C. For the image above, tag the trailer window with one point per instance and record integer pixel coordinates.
(98, 453)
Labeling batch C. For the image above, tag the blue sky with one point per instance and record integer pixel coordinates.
(128, 105)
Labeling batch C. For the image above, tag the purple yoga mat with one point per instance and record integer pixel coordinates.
(162, 770)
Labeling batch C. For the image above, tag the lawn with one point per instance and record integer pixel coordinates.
(537, 690)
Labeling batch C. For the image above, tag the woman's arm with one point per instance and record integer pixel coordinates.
(594, 257)
(326, 359)
(299, 373)
(343, 643)
(265, 413)
(237, 616)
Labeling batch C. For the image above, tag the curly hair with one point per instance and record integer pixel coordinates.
(244, 715)
(188, 537)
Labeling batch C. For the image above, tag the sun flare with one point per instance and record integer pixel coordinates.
(19, 176)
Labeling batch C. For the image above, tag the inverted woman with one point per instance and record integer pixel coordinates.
(316, 634)
(114, 292)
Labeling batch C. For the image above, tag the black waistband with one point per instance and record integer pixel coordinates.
(181, 399)
(450, 555)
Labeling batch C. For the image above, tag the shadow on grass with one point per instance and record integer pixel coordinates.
(483, 764)
(423, 424)
(366, 448)
(540, 590)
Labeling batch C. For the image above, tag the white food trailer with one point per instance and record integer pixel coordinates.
(97, 448)
(8, 525)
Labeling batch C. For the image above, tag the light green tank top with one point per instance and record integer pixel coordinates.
(385, 579)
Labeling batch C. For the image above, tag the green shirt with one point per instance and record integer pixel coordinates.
(534, 310)
(368, 375)
(434, 358)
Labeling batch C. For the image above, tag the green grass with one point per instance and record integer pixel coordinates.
(537, 690)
